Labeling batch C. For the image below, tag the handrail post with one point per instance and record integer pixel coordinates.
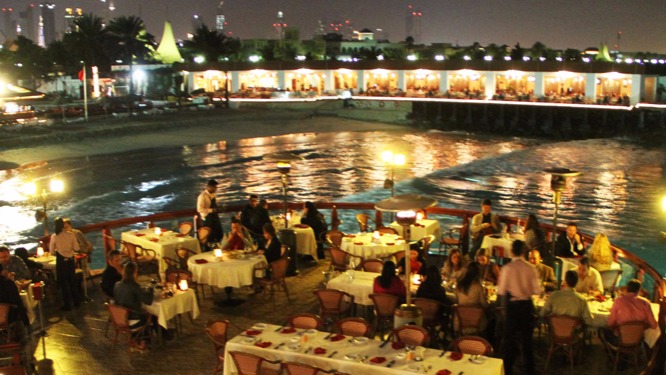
(379, 223)
(335, 222)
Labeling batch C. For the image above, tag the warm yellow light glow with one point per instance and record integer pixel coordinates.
(182, 284)
(282, 164)
(394, 159)
(218, 253)
(387, 156)
(419, 216)
(30, 188)
(663, 203)
(40, 251)
(158, 231)
(57, 186)
(399, 159)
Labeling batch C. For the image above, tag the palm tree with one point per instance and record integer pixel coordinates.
(129, 40)
(211, 44)
(90, 34)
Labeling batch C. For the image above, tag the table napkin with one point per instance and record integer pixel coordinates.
(154, 240)
(337, 337)
(455, 356)
(358, 243)
(600, 298)
(288, 330)
(378, 359)
(180, 235)
(302, 226)
(139, 234)
(264, 344)
(397, 345)
(200, 261)
(319, 350)
(252, 332)
(350, 236)
(444, 372)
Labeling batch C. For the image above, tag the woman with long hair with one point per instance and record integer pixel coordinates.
(272, 248)
(535, 238)
(470, 292)
(316, 221)
(454, 267)
(64, 246)
(600, 253)
(128, 293)
(388, 282)
(431, 287)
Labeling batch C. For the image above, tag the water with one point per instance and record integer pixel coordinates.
(618, 194)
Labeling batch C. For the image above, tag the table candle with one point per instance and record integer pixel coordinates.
(218, 253)
(182, 284)
(419, 216)
(40, 251)
(158, 231)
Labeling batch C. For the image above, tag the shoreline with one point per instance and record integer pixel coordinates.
(105, 136)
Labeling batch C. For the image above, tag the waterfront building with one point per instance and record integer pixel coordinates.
(71, 15)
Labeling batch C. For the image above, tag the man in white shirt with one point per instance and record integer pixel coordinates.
(589, 279)
(518, 282)
(483, 223)
(207, 208)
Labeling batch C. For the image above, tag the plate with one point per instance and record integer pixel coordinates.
(351, 357)
(360, 340)
(400, 356)
(295, 339)
(478, 359)
(249, 340)
(311, 331)
(415, 367)
(293, 347)
(259, 326)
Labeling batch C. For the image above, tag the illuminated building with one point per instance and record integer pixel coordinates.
(47, 24)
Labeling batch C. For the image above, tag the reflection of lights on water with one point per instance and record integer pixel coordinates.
(663, 203)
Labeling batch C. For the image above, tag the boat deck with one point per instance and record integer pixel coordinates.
(76, 343)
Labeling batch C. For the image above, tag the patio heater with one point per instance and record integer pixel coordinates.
(32, 191)
(558, 181)
(405, 207)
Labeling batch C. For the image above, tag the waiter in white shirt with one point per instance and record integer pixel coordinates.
(207, 208)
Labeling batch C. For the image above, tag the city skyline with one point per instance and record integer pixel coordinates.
(558, 24)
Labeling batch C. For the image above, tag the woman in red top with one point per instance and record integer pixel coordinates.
(388, 282)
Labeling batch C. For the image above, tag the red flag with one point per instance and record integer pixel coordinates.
(81, 73)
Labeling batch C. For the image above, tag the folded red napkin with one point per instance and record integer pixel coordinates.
(180, 235)
(378, 359)
(390, 243)
(264, 344)
(358, 243)
(303, 226)
(200, 261)
(444, 372)
(319, 351)
(600, 297)
(288, 330)
(154, 240)
(397, 345)
(455, 356)
(252, 332)
(139, 234)
(350, 236)
(399, 238)
(337, 337)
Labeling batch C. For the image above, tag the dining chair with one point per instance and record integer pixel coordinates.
(250, 364)
(217, 330)
(297, 368)
(425, 243)
(387, 230)
(432, 312)
(372, 265)
(4, 322)
(185, 227)
(202, 235)
(109, 242)
(474, 345)
(384, 305)
(395, 257)
(468, 319)
(334, 237)
(276, 280)
(564, 335)
(340, 259)
(630, 342)
(118, 316)
(355, 326)
(145, 258)
(363, 220)
(609, 279)
(411, 335)
(333, 303)
(306, 321)
(10, 353)
(183, 254)
(454, 238)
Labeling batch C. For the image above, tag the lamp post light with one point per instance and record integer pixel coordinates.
(393, 160)
(558, 181)
(32, 190)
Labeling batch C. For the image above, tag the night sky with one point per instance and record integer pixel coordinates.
(556, 23)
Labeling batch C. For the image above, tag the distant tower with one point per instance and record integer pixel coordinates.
(29, 27)
(47, 24)
(413, 23)
(197, 21)
(71, 15)
(8, 23)
(219, 18)
(279, 25)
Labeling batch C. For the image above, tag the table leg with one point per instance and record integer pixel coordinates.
(230, 301)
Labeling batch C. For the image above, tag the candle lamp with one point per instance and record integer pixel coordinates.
(158, 231)
(218, 253)
(419, 216)
(182, 285)
(40, 251)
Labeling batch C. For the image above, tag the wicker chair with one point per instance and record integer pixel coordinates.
(119, 319)
(455, 238)
(564, 335)
(432, 316)
(469, 319)
(145, 258)
(333, 303)
(473, 345)
(340, 259)
(217, 333)
(363, 220)
(354, 327)
(296, 368)
(276, 280)
(387, 230)
(306, 321)
(630, 342)
(250, 364)
(202, 235)
(385, 305)
(334, 237)
(372, 265)
(185, 227)
(411, 335)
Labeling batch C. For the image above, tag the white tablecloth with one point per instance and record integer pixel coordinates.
(421, 229)
(29, 303)
(164, 244)
(228, 272)
(48, 261)
(490, 241)
(360, 286)
(362, 245)
(181, 302)
(306, 241)
(338, 355)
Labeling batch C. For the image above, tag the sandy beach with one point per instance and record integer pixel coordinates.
(116, 135)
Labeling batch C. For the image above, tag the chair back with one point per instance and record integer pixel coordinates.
(469, 317)
(118, 316)
(425, 244)
(296, 368)
(385, 304)
(372, 265)
(202, 235)
(631, 333)
(174, 276)
(333, 301)
(130, 250)
(306, 321)
(609, 279)
(412, 335)
(246, 363)
(339, 258)
(563, 328)
(279, 268)
(171, 263)
(4, 314)
(430, 309)
(473, 345)
(362, 220)
(335, 237)
(387, 230)
(185, 227)
(354, 327)
(398, 255)
(216, 331)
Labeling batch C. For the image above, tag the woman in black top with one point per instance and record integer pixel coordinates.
(316, 221)
(272, 249)
(128, 293)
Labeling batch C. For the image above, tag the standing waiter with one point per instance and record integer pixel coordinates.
(207, 208)
(64, 246)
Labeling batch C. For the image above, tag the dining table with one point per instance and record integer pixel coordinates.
(47, 260)
(163, 242)
(166, 308)
(352, 355)
(420, 229)
(369, 245)
(29, 303)
(306, 241)
(233, 269)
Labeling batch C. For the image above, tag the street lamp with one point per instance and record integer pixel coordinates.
(41, 197)
(405, 207)
(393, 160)
(558, 181)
